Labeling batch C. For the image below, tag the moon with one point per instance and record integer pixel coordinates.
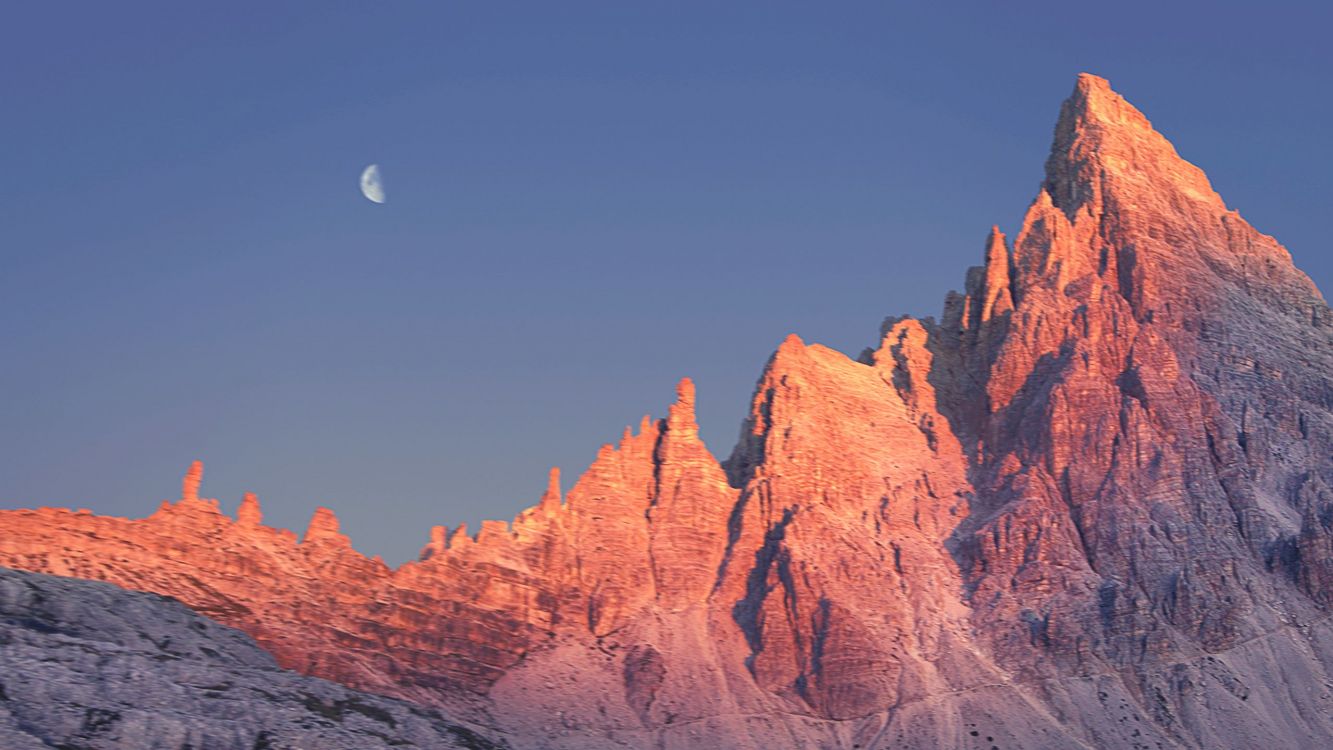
(371, 186)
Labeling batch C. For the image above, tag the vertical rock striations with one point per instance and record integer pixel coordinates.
(1089, 507)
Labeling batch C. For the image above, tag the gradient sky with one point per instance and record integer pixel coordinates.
(586, 202)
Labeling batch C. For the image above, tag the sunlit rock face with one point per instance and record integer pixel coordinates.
(1151, 446)
(1088, 507)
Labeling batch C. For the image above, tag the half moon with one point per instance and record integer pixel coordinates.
(371, 186)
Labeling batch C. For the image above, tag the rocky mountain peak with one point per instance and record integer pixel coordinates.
(323, 527)
(250, 514)
(1103, 144)
(190, 483)
(551, 498)
(680, 417)
(1104, 472)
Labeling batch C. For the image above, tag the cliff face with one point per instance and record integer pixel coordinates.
(1088, 507)
(1157, 402)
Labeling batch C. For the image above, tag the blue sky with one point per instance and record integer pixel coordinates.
(586, 202)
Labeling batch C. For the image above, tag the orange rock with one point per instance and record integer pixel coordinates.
(1110, 457)
(190, 484)
(249, 514)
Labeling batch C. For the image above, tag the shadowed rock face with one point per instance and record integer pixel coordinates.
(91, 666)
(1089, 507)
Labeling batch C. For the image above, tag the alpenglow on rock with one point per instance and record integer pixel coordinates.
(1089, 507)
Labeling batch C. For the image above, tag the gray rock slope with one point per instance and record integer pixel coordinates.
(90, 666)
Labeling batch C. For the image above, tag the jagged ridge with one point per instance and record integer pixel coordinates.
(1097, 489)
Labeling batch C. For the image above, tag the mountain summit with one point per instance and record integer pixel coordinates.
(1105, 148)
(1088, 507)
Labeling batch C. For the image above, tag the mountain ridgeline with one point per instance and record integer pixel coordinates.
(1088, 507)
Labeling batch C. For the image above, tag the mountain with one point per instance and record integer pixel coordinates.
(1088, 507)
(87, 666)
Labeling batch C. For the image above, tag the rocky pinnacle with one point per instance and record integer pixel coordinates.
(1089, 506)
